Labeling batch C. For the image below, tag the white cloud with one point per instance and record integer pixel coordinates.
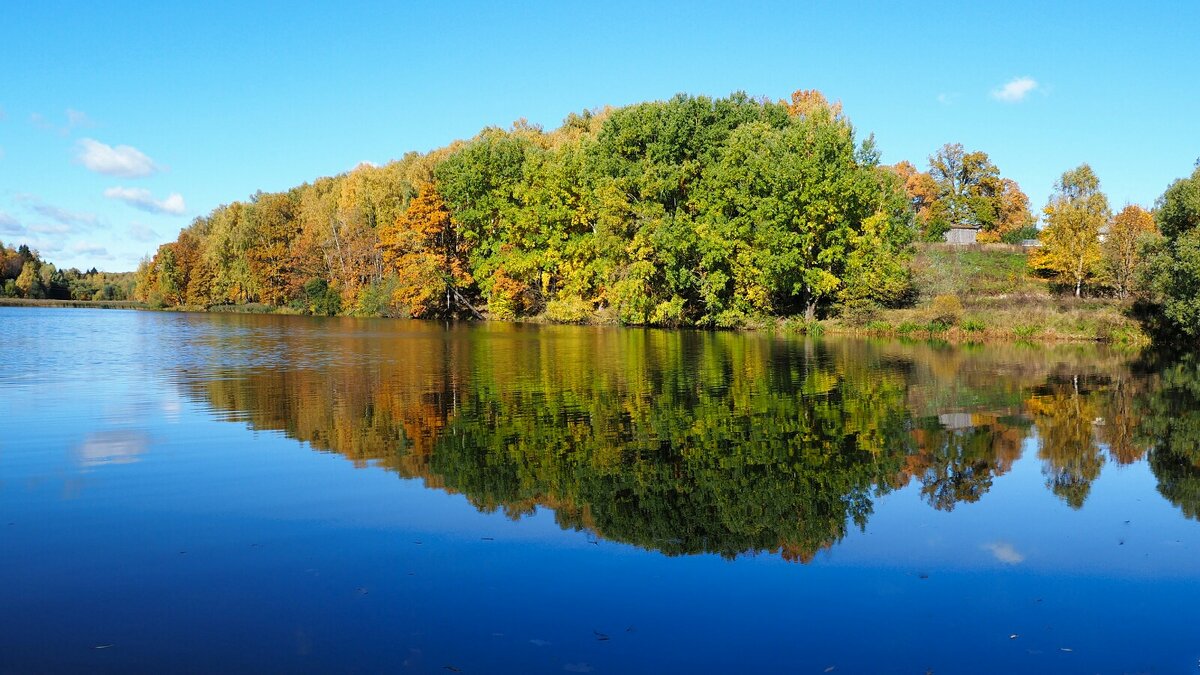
(50, 228)
(946, 99)
(1015, 90)
(142, 232)
(56, 214)
(1004, 552)
(89, 248)
(44, 246)
(123, 160)
(10, 225)
(140, 198)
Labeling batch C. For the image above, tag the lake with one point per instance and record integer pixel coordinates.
(233, 493)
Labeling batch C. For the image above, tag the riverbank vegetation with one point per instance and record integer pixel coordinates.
(25, 275)
(702, 212)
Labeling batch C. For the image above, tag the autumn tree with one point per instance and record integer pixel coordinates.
(29, 281)
(273, 226)
(1122, 248)
(966, 188)
(808, 101)
(1076, 211)
(423, 249)
(921, 190)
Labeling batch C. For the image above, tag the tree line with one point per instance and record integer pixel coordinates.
(24, 274)
(691, 211)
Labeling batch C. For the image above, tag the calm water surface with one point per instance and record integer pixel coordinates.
(190, 492)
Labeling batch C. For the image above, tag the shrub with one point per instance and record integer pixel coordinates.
(1027, 330)
(973, 326)
(908, 327)
(374, 299)
(668, 313)
(946, 309)
(730, 318)
(879, 327)
(571, 309)
(859, 312)
(506, 297)
(319, 298)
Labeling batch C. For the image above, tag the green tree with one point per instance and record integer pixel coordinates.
(1174, 272)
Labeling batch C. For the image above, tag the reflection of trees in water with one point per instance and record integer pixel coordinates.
(688, 442)
(1169, 412)
(958, 463)
(1066, 411)
(719, 445)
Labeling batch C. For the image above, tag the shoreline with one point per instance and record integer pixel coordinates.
(891, 324)
(72, 304)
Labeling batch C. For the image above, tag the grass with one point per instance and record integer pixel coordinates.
(1001, 299)
(95, 304)
(989, 271)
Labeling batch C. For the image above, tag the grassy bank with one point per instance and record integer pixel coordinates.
(95, 304)
(990, 293)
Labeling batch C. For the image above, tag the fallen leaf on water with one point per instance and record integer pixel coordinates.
(1065, 649)
(101, 647)
(1014, 636)
(600, 636)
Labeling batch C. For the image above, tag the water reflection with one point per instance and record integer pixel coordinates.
(689, 442)
(111, 447)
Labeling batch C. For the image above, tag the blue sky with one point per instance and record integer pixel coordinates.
(121, 122)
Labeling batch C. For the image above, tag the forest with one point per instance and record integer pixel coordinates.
(24, 274)
(695, 211)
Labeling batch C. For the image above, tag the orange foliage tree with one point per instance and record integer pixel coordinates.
(428, 257)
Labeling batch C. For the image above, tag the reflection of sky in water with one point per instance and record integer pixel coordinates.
(135, 517)
(112, 447)
(1004, 552)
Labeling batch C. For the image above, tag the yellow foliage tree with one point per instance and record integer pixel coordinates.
(807, 101)
(1122, 246)
(1071, 239)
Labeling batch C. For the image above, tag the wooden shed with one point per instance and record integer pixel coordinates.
(961, 234)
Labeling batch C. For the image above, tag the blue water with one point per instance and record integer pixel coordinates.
(199, 493)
